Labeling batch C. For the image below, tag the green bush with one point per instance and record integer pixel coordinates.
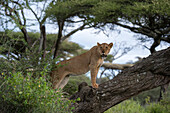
(132, 106)
(27, 94)
(153, 94)
(161, 107)
(157, 108)
(128, 106)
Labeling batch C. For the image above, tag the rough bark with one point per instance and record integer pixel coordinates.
(150, 73)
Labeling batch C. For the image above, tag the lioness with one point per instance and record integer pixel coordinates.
(91, 60)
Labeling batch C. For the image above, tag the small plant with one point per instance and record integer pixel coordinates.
(160, 107)
(131, 106)
(128, 106)
(28, 94)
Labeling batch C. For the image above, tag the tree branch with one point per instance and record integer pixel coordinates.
(150, 73)
(72, 32)
(144, 31)
(27, 4)
(116, 66)
(22, 12)
(17, 19)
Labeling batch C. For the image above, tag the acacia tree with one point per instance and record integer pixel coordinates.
(70, 13)
(41, 19)
(150, 73)
(15, 10)
(150, 18)
(10, 9)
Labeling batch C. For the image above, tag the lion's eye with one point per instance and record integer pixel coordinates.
(106, 47)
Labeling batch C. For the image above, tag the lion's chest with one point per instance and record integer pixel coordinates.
(100, 62)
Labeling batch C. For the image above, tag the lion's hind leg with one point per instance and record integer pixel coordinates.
(60, 80)
(64, 82)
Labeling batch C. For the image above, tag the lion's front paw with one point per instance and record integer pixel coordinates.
(95, 86)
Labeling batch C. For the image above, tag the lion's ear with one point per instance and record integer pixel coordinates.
(110, 45)
(98, 44)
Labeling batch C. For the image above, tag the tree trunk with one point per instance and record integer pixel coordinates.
(152, 50)
(155, 44)
(150, 73)
(26, 36)
(42, 40)
(60, 25)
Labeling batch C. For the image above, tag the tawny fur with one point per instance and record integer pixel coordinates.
(91, 60)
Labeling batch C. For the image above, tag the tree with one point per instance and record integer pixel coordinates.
(151, 72)
(10, 9)
(15, 10)
(72, 13)
(41, 19)
(150, 18)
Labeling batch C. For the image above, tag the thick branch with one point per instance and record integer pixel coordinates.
(116, 66)
(150, 73)
(154, 45)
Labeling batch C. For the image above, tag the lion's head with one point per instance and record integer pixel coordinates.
(104, 49)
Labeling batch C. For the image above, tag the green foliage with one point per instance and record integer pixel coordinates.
(24, 77)
(128, 106)
(153, 95)
(136, 105)
(160, 107)
(63, 10)
(69, 49)
(28, 94)
(150, 7)
(131, 106)
(156, 108)
(111, 10)
(106, 11)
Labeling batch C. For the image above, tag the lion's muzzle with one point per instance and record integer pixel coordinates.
(103, 55)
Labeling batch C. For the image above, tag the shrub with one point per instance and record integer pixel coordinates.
(131, 106)
(128, 106)
(27, 94)
(157, 108)
(160, 107)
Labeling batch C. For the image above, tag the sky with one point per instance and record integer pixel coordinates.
(88, 38)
